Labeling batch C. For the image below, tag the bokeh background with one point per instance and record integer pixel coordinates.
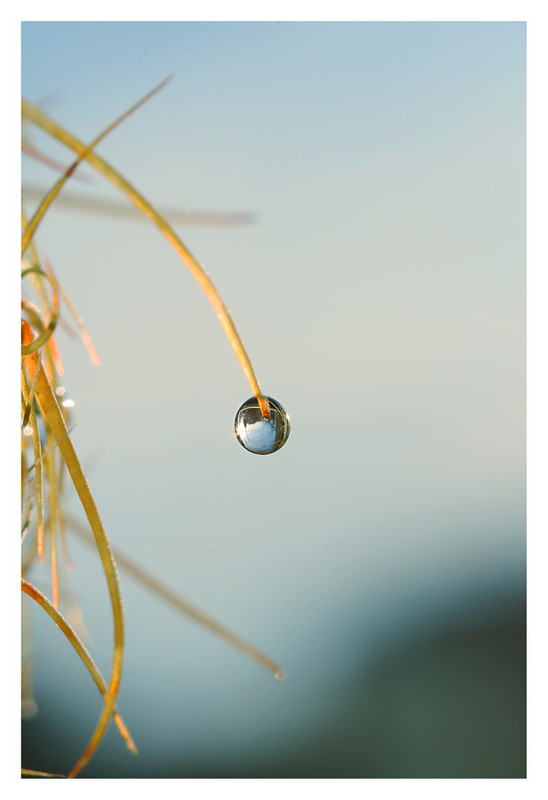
(379, 285)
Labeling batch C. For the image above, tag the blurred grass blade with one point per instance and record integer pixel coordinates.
(90, 204)
(179, 602)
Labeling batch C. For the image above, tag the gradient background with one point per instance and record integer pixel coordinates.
(380, 290)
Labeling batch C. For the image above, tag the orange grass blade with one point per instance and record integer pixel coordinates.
(40, 340)
(88, 344)
(40, 119)
(52, 413)
(80, 648)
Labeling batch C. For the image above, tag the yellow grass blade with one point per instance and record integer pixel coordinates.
(35, 773)
(80, 648)
(37, 117)
(54, 191)
(54, 417)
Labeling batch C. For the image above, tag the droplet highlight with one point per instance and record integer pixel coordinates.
(258, 434)
(66, 402)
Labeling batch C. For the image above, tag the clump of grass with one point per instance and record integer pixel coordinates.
(48, 455)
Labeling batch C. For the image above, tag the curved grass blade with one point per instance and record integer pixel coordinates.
(80, 648)
(56, 188)
(37, 117)
(54, 417)
(40, 340)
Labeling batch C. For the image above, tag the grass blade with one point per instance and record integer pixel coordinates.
(80, 648)
(54, 417)
(38, 118)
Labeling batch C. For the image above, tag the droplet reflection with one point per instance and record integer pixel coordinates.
(257, 434)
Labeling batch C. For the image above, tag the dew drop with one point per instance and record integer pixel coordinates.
(66, 402)
(260, 435)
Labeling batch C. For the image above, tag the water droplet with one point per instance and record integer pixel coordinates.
(27, 430)
(258, 434)
(66, 402)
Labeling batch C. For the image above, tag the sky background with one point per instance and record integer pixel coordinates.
(380, 291)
